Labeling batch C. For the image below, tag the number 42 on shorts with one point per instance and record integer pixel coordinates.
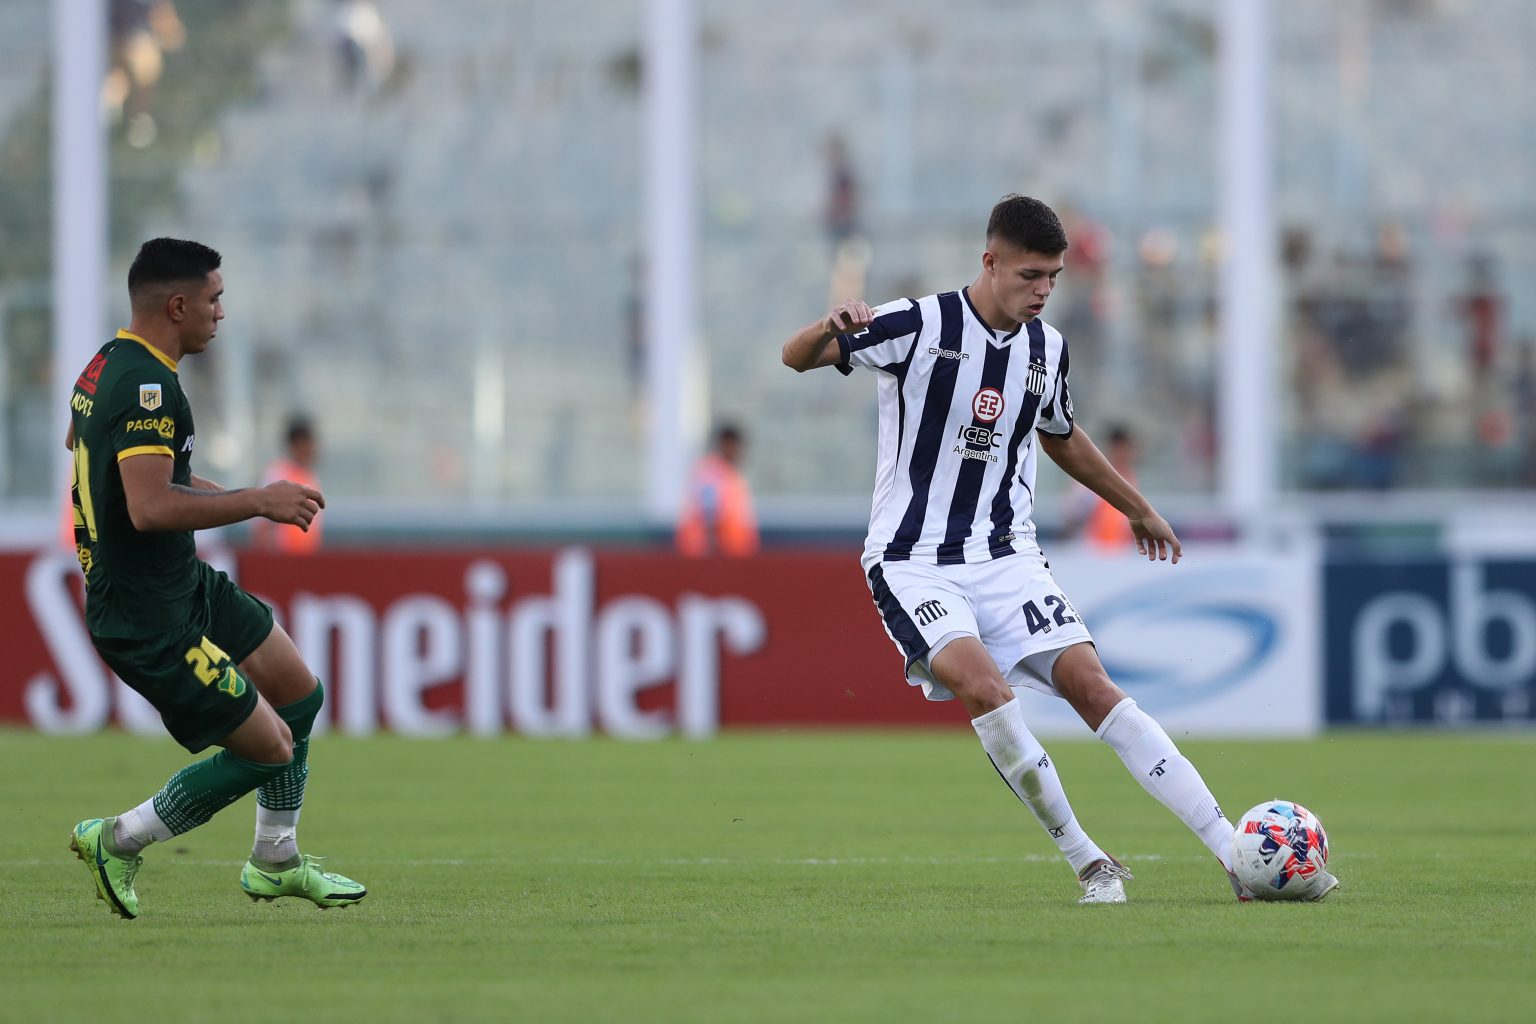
(211, 665)
(1036, 620)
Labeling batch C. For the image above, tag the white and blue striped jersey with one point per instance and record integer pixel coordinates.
(959, 406)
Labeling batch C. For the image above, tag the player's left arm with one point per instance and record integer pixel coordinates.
(1081, 459)
(200, 484)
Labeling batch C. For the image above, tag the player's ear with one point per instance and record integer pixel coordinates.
(176, 307)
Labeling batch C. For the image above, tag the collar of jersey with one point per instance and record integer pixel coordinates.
(170, 364)
(965, 293)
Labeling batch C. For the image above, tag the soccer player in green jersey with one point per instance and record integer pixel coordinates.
(205, 653)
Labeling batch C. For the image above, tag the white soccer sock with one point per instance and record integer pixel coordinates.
(1022, 762)
(139, 827)
(277, 838)
(1167, 774)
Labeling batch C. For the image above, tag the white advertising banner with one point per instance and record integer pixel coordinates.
(1223, 644)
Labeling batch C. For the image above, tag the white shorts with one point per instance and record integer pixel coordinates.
(1011, 604)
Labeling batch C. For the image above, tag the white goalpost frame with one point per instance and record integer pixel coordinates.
(79, 158)
(1248, 390)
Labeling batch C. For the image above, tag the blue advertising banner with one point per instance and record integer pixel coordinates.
(1223, 644)
(1433, 641)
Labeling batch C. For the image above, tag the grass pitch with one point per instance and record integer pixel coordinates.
(777, 877)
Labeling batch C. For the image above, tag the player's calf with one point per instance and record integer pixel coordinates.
(1155, 762)
(1024, 765)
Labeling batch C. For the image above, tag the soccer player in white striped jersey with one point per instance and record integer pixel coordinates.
(971, 383)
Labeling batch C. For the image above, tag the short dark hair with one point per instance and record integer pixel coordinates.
(170, 261)
(300, 428)
(1027, 223)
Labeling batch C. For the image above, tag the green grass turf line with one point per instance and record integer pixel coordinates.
(777, 877)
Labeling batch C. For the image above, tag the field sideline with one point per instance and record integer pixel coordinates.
(777, 877)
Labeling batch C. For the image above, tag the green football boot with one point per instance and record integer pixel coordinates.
(324, 889)
(113, 874)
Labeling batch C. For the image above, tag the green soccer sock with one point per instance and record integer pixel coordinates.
(201, 790)
(279, 801)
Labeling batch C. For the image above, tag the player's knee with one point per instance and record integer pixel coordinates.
(275, 753)
(1090, 691)
(983, 692)
(278, 750)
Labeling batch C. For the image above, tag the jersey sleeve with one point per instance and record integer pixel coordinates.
(1056, 414)
(142, 415)
(888, 339)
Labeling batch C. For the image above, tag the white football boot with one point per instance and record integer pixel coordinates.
(1104, 882)
(1324, 885)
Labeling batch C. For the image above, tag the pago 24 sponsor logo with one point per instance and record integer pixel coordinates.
(1180, 643)
(1431, 641)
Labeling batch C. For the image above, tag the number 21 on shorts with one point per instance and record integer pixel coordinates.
(211, 665)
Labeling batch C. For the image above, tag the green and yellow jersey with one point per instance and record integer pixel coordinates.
(129, 404)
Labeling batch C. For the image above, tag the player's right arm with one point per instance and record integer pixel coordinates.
(811, 345)
(154, 503)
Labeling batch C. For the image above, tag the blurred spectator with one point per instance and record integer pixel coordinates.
(1379, 451)
(840, 217)
(1482, 307)
(1088, 258)
(1525, 402)
(717, 516)
(1295, 248)
(296, 464)
(634, 327)
(1084, 306)
(142, 33)
(1354, 379)
(364, 47)
(1103, 527)
(842, 212)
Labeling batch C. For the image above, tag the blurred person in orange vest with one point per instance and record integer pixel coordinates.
(1104, 527)
(297, 465)
(717, 516)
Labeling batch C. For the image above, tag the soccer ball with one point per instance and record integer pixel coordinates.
(1280, 851)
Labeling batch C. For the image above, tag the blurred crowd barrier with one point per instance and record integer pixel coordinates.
(574, 641)
(430, 215)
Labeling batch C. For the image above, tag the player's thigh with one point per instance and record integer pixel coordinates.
(201, 694)
(245, 627)
(965, 667)
(278, 670)
(1022, 612)
(922, 606)
(1080, 678)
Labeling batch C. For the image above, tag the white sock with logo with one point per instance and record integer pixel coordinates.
(1022, 762)
(133, 830)
(1167, 774)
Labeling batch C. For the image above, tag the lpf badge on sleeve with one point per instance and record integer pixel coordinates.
(149, 396)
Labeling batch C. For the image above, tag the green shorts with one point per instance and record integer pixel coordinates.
(193, 677)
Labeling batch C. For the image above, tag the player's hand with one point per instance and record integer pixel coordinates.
(849, 318)
(1155, 538)
(288, 502)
